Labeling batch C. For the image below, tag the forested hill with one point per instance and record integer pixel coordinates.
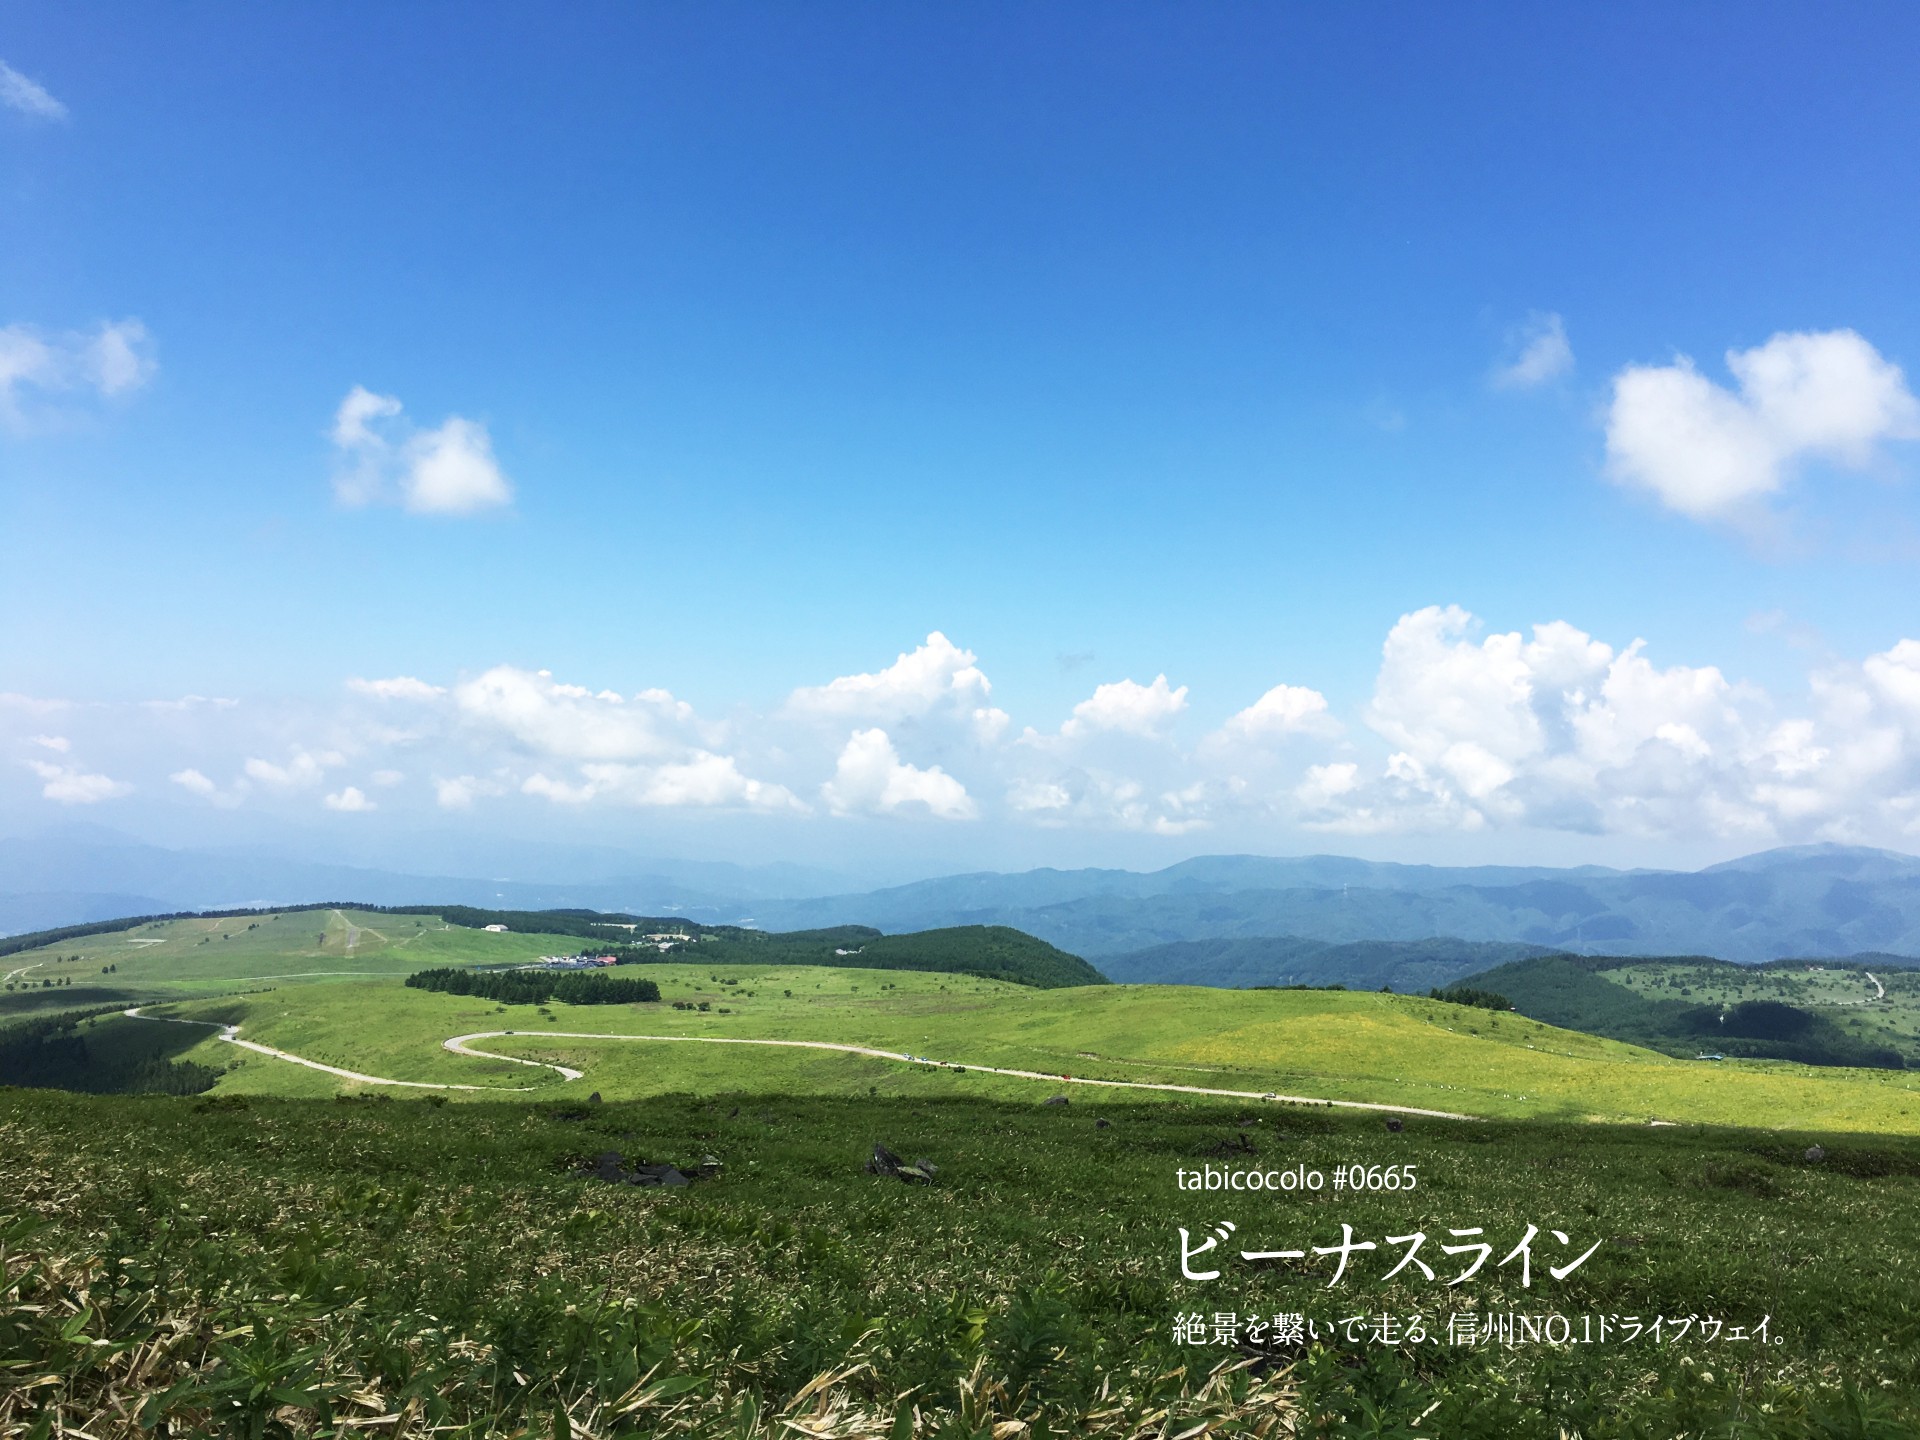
(1858, 1010)
(995, 952)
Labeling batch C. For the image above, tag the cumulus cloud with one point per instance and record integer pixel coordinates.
(382, 458)
(937, 672)
(1708, 451)
(70, 785)
(870, 777)
(1557, 730)
(1128, 707)
(26, 96)
(352, 800)
(1284, 710)
(704, 779)
(43, 374)
(1540, 353)
(550, 718)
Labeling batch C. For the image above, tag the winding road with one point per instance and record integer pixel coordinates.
(231, 1034)
(458, 1045)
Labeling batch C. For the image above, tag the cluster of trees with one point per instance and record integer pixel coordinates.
(536, 987)
(56, 1053)
(1470, 995)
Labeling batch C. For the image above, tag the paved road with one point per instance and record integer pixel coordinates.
(231, 1034)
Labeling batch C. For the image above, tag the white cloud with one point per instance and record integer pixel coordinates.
(39, 372)
(70, 785)
(352, 800)
(1284, 710)
(1708, 451)
(398, 687)
(58, 743)
(1561, 731)
(302, 771)
(193, 780)
(1127, 707)
(449, 470)
(569, 721)
(709, 779)
(458, 792)
(704, 780)
(19, 93)
(871, 777)
(1541, 353)
(387, 779)
(936, 672)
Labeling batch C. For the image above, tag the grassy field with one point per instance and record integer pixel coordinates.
(1328, 1044)
(171, 959)
(292, 1254)
(280, 1268)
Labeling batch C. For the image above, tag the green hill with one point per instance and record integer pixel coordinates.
(1814, 1012)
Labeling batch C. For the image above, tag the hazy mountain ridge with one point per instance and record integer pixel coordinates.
(1810, 900)
(1813, 901)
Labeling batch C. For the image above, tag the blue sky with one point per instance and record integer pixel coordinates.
(728, 350)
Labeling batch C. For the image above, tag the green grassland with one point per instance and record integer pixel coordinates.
(1369, 1047)
(277, 1268)
(293, 1254)
(171, 959)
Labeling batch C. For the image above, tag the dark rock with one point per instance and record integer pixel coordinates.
(656, 1175)
(1815, 1154)
(884, 1162)
(610, 1167)
(1056, 1100)
(1396, 1124)
(594, 1099)
(1233, 1145)
(1102, 1123)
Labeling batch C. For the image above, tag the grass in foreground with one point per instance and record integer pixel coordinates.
(282, 1268)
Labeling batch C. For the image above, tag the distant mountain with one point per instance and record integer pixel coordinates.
(1807, 900)
(85, 874)
(1406, 966)
(1814, 901)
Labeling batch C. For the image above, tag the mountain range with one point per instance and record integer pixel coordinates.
(1285, 916)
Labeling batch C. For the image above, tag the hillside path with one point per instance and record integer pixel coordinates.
(231, 1034)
